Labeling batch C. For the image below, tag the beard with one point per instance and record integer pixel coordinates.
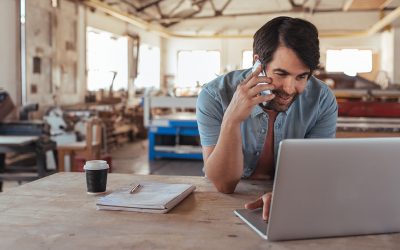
(281, 102)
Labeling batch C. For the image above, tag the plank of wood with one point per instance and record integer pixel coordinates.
(8, 140)
(56, 213)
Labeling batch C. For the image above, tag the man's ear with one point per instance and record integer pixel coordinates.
(255, 58)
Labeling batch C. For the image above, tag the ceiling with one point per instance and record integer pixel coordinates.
(239, 17)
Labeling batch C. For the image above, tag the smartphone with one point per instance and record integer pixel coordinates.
(255, 66)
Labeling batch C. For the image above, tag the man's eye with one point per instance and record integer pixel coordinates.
(302, 77)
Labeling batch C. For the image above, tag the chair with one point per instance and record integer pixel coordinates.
(90, 148)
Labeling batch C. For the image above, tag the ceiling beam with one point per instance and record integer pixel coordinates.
(283, 12)
(220, 11)
(159, 11)
(163, 32)
(213, 5)
(386, 3)
(130, 4)
(388, 19)
(315, 6)
(148, 5)
(225, 5)
(365, 5)
(176, 7)
(347, 5)
(199, 4)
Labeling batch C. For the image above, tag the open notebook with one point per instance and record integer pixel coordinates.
(151, 197)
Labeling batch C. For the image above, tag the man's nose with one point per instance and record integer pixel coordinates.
(289, 86)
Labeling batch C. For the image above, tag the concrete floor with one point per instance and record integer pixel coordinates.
(132, 158)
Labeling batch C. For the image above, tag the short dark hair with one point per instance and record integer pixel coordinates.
(297, 34)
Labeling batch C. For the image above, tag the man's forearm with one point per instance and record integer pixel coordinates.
(224, 166)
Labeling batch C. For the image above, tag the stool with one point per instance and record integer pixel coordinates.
(79, 162)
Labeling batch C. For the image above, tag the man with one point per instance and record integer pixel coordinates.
(240, 129)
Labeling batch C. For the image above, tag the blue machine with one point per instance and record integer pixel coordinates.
(173, 125)
(175, 128)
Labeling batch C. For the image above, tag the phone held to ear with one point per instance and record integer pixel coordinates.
(255, 66)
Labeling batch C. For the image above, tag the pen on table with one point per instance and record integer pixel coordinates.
(134, 188)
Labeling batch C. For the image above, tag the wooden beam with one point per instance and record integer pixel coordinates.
(225, 5)
(386, 3)
(175, 8)
(149, 5)
(365, 5)
(163, 32)
(347, 5)
(388, 19)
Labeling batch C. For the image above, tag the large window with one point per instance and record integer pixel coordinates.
(149, 67)
(197, 67)
(107, 57)
(349, 61)
(247, 59)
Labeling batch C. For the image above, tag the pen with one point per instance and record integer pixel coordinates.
(134, 188)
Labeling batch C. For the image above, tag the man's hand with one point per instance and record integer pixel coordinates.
(247, 95)
(264, 202)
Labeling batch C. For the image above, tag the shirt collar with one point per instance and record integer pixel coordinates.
(257, 110)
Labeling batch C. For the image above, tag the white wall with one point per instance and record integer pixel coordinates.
(387, 55)
(396, 56)
(231, 51)
(9, 47)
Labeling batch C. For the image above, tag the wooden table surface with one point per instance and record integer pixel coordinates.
(56, 213)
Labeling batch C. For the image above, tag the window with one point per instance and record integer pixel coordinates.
(197, 67)
(149, 67)
(349, 61)
(107, 57)
(247, 59)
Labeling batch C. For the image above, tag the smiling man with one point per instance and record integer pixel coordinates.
(240, 129)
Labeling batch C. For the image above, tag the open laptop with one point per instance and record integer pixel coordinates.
(332, 187)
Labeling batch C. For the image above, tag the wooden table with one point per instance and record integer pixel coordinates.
(56, 213)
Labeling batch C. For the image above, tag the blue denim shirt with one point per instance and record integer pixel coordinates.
(312, 115)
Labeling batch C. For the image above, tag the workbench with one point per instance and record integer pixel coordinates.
(24, 144)
(56, 213)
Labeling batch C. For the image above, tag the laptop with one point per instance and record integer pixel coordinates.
(332, 187)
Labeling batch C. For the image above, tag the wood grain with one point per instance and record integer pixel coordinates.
(56, 213)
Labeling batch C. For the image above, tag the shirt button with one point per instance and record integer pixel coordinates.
(263, 131)
(257, 153)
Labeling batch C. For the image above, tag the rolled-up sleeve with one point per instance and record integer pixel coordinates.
(209, 116)
(325, 126)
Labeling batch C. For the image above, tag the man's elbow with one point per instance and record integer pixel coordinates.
(226, 187)
(224, 184)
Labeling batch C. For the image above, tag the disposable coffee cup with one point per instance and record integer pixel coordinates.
(96, 176)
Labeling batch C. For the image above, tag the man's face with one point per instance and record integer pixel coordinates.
(289, 76)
